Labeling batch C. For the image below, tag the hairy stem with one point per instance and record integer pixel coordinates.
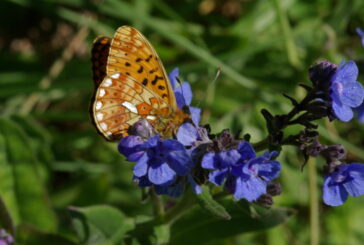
(314, 202)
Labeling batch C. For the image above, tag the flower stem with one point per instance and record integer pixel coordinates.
(261, 145)
(180, 208)
(314, 202)
(158, 208)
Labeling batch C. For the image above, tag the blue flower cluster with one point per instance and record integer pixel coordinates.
(194, 156)
(247, 176)
(169, 165)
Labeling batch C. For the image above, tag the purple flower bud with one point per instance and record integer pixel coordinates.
(143, 129)
(320, 74)
(265, 201)
(274, 189)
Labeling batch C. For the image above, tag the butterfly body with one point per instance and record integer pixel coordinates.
(131, 84)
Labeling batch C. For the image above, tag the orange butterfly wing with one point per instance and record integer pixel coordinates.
(132, 84)
(99, 55)
(120, 102)
(131, 53)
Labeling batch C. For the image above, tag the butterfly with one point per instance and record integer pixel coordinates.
(131, 84)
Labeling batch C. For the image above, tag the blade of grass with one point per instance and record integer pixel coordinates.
(287, 35)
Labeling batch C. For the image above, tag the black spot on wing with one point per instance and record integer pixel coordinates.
(145, 82)
(148, 59)
(156, 78)
(141, 68)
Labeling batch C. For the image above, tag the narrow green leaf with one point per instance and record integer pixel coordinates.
(21, 188)
(100, 224)
(207, 202)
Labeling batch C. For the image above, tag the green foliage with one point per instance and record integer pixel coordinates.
(58, 176)
(100, 225)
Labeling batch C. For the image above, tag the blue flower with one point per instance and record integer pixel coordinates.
(247, 176)
(345, 92)
(361, 34)
(347, 179)
(159, 161)
(5, 238)
(183, 93)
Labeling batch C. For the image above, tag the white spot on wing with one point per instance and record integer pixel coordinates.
(99, 116)
(138, 43)
(103, 126)
(108, 82)
(102, 92)
(115, 76)
(98, 105)
(131, 107)
(151, 117)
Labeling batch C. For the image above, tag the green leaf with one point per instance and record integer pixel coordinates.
(21, 188)
(207, 202)
(197, 227)
(100, 225)
(29, 235)
(162, 234)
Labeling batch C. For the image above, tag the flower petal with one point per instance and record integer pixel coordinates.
(195, 115)
(228, 158)
(360, 111)
(131, 147)
(183, 94)
(250, 189)
(152, 141)
(361, 34)
(141, 167)
(187, 134)
(333, 194)
(342, 112)
(246, 150)
(269, 169)
(217, 177)
(177, 157)
(209, 160)
(195, 187)
(355, 186)
(161, 174)
(173, 77)
(142, 181)
(353, 94)
(171, 190)
(346, 73)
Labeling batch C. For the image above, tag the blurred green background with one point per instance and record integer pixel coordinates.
(51, 156)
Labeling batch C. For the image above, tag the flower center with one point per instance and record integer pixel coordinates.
(340, 178)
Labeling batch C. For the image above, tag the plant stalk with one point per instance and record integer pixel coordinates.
(314, 202)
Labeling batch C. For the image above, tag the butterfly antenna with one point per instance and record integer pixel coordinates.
(212, 83)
